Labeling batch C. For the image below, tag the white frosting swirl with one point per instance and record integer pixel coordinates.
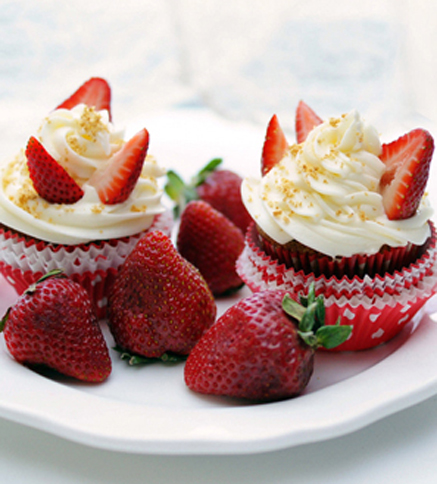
(82, 141)
(325, 194)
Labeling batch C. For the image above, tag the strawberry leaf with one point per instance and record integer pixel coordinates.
(320, 313)
(135, 360)
(293, 308)
(309, 338)
(310, 317)
(179, 192)
(206, 171)
(183, 193)
(174, 186)
(332, 335)
(4, 319)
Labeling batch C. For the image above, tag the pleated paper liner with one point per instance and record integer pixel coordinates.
(389, 259)
(259, 267)
(378, 307)
(24, 260)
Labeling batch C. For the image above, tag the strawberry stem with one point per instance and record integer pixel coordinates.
(206, 171)
(4, 319)
(310, 316)
(182, 193)
(48, 275)
(135, 360)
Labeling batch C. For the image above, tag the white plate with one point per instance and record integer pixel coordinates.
(148, 409)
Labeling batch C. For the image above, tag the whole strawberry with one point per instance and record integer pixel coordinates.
(220, 188)
(212, 243)
(159, 301)
(262, 348)
(53, 324)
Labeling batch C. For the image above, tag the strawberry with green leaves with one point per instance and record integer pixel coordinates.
(53, 325)
(262, 348)
(218, 187)
(212, 243)
(159, 302)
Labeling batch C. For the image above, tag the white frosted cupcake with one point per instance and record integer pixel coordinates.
(330, 211)
(78, 197)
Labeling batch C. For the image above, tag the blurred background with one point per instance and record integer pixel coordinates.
(244, 60)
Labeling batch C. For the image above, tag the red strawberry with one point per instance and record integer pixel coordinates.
(306, 120)
(220, 188)
(159, 302)
(50, 179)
(53, 325)
(262, 348)
(212, 243)
(116, 182)
(275, 146)
(95, 93)
(408, 162)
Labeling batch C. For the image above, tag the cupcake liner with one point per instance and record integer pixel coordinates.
(258, 267)
(377, 319)
(310, 262)
(24, 260)
(378, 307)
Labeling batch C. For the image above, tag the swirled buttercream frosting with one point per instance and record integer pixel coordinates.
(83, 141)
(324, 193)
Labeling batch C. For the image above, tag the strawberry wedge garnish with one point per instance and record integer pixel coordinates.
(116, 182)
(408, 161)
(94, 93)
(275, 146)
(50, 179)
(306, 120)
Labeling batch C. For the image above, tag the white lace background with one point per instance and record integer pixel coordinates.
(245, 59)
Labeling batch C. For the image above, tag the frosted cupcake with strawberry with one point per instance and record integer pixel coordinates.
(349, 214)
(79, 196)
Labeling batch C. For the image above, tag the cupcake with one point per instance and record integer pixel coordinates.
(349, 214)
(78, 197)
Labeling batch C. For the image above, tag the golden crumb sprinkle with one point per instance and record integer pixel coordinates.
(136, 209)
(91, 123)
(74, 144)
(309, 171)
(334, 122)
(151, 159)
(295, 149)
(362, 215)
(98, 208)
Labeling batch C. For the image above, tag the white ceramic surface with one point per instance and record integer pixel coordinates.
(149, 410)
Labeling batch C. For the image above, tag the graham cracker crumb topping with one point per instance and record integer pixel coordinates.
(91, 123)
